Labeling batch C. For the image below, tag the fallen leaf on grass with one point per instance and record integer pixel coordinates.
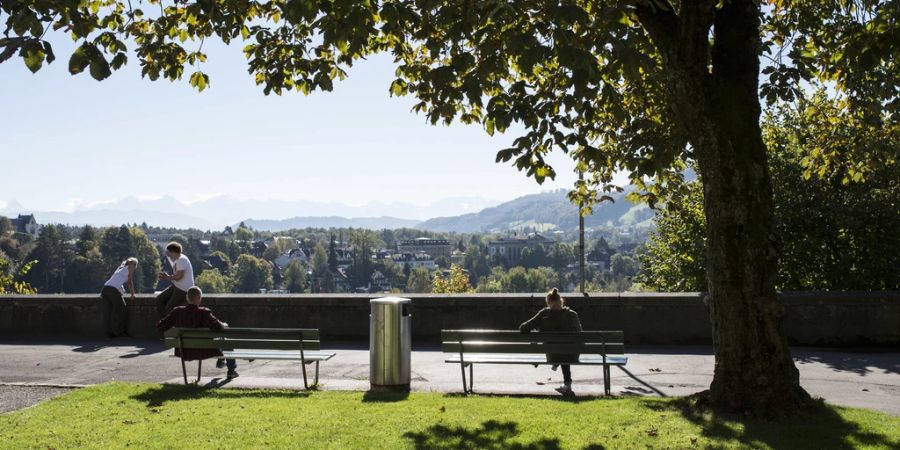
(653, 432)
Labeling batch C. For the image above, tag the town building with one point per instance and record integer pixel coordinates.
(414, 260)
(291, 255)
(26, 224)
(434, 247)
(509, 250)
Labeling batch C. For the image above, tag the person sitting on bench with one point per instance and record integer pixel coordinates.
(556, 317)
(193, 315)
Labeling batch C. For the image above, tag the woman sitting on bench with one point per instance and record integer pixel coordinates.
(556, 317)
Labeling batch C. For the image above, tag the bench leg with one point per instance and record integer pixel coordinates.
(317, 374)
(606, 381)
(462, 368)
(199, 363)
(305, 383)
(471, 376)
(184, 371)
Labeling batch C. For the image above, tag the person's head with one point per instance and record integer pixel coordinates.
(173, 250)
(194, 295)
(554, 300)
(132, 262)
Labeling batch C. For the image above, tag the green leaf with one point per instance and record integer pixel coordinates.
(79, 60)
(118, 61)
(199, 80)
(49, 51)
(100, 68)
(34, 57)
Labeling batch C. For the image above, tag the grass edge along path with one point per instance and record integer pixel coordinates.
(119, 415)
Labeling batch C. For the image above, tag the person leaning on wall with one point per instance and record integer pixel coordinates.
(115, 312)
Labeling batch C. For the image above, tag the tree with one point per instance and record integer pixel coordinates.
(516, 280)
(5, 226)
(834, 233)
(243, 237)
(363, 242)
(86, 273)
(643, 85)
(321, 270)
(8, 275)
(52, 255)
(295, 278)
(225, 246)
(622, 266)
(442, 261)
(476, 262)
(214, 282)
(116, 245)
(457, 282)
(149, 261)
(252, 274)
(332, 254)
(87, 240)
(419, 281)
(224, 258)
(271, 253)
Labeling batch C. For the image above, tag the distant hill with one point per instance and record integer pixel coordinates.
(372, 223)
(545, 211)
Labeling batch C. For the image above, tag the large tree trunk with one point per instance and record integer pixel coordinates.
(719, 111)
(754, 370)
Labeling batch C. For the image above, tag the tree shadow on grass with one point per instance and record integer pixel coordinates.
(157, 396)
(819, 426)
(491, 435)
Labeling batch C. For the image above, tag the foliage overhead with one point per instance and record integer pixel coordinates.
(837, 231)
(584, 77)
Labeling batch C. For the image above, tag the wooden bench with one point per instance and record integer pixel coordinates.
(470, 347)
(295, 344)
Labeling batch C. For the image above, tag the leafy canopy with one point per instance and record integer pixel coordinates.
(581, 76)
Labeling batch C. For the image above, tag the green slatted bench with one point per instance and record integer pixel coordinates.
(470, 347)
(292, 344)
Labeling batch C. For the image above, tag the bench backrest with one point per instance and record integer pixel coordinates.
(514, 341)
(244, 338)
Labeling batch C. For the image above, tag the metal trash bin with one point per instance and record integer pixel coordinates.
(390, 344)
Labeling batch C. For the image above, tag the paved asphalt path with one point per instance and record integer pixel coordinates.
(35, 369)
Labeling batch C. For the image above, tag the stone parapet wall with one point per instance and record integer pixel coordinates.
(811, 318)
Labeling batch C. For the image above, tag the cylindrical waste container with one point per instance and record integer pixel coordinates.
(390, 344)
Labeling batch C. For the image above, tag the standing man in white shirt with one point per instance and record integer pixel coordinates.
(182, 278)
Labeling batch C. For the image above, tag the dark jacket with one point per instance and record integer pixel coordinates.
(192, 316)
(554, 320)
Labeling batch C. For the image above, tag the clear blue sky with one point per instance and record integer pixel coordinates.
(68, 140)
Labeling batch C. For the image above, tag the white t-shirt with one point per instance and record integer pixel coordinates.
(186, 281)
(119, 278)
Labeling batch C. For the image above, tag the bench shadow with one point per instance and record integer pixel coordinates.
(647, 389)
(155, 397)
(571, 397)
(819, 426)
(491, 434)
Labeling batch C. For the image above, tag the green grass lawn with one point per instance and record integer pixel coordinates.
(120, 415)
